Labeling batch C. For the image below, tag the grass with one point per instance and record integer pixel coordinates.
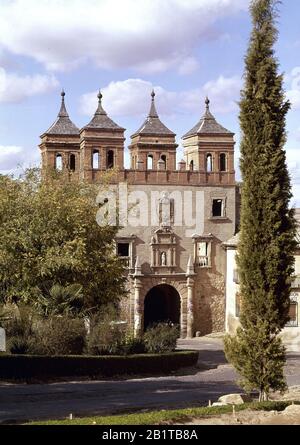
(166, 416)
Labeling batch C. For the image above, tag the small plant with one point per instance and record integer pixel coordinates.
(60, 336)
(161, 338)
(19, 345)
(19, 326)
(132, 345)
(19, 322)
(106, 335)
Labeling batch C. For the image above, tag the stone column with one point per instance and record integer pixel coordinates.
(138, 311)
(183, 317)
(190, 307)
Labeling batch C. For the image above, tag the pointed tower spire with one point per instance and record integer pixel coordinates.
(207, 124)
(152, 124)
(63, 124)
(153, 112)
(100, 110)
(101, 120)
(63, 111)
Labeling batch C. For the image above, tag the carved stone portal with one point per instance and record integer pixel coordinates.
(163, 250)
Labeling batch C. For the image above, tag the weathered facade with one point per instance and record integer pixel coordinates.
(291, 333)
(173, 239)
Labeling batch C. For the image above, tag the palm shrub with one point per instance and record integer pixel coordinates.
(59, 300)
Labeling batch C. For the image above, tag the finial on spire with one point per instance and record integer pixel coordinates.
(207, 102)
(100, 108)
(153, 112)
(63, 112)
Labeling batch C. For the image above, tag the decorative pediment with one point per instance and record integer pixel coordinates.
(163, 249)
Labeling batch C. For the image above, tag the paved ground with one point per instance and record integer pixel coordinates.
(195, 386)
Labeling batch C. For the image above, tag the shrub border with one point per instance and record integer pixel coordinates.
(48, 368)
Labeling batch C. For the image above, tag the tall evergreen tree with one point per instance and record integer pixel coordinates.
(267, 232)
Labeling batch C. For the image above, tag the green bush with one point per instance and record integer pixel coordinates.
(104, 339)
(106, 335)
(19, 322)
(20, 345)
(161, 337)
(42, 368)
(19, 327)
(131, 345)
(60, 336)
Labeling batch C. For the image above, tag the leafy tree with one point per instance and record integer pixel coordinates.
(267, 235)
(49, 237)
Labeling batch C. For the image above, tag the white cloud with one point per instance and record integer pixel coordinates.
(10, 156)
(131, 97)
(15, 88)
(188, 66)
(146, 34)
(293, 94)
(223, 93)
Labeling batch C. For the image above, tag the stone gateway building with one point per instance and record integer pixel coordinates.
(181, 221)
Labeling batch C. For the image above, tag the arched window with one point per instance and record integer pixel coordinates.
(164, 158)
(209, 163)
(192, 165)
(223, 162)
(72, 162)
(110, 159)
(58, 162)
(96, 160)
(149, 162)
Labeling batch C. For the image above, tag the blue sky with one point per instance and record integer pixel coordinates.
(185, 49)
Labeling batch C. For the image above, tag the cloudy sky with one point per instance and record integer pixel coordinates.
(185, 49)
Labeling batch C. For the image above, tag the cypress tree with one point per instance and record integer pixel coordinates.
(267, 232)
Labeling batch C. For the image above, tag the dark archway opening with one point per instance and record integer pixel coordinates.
(110, 159)
(162, 304)
(223, 163)
(164, 158)
(72, 163)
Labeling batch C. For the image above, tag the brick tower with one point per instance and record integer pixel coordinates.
(153, 146)
(101, 144)
(209, 148)
(60, 144)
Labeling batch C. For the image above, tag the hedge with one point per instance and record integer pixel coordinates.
(49, 368)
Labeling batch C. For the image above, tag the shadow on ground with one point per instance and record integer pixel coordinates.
(24, 403)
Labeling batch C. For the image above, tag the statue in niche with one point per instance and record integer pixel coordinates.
(163, 259)
(165, 210)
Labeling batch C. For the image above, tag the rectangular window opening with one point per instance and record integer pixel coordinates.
(123, 249)
(203, 254)
(218, 208)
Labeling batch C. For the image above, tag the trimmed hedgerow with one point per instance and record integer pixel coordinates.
(45, 368)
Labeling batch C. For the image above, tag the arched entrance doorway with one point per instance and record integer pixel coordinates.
(162, 304)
